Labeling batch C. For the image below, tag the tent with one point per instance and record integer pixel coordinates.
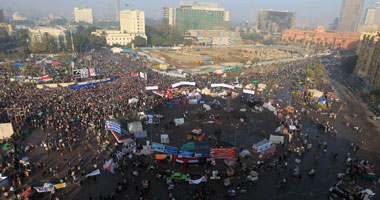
(206, 91)
(299, 88)
(206, 107)
(56, 63)
(261, 146)
(140, 134)
(193, 101)
(276, 139)
(322, 100)
(134, 127)
(18, 65)
(133, 101)
(6, 130)
(179, 121)
(315, 93)
(201, 149)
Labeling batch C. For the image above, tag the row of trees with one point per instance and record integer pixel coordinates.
(252, 36)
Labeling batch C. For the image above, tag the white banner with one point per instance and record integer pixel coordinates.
(248, 91)
(94, 173)
(213, 85)
(183, 83)
(198, 180)
(144, 75)
(151, 87)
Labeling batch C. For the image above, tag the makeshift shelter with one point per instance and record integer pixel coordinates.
(196, 134)
(179, 121)
(206, 107)
(261, 146)
(281, 129)
(140, 134)
(322, 100)
(245, 153)
(6, 130)
(200, 149)
(315, 93)
(206, 91)
(299, 88)
(276, 139)
(132, 101)
(134, 127)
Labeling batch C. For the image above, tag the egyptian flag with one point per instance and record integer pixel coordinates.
(110, 166)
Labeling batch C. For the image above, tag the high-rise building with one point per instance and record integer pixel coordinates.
(117, 10)
(368, 65)
(272, 21)
(83, 15)
(350, 15)
(132, 21)
(252, 14)
(17, 17)
(197, 16)
(370, 16)
(2, 18)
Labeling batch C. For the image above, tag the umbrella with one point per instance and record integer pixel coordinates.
(56, 63)
(255, 81)
(58, 77)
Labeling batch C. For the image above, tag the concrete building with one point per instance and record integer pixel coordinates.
(197, 16)
(117, 10)
(17, 17)
(350, 15)
(83, 15)
(2, 18)
(370, 16)
(368, 64)
(9, 28)
(272, 21)
(132, 21)
(319, 37)
(213, 37)
(132, 24)
(59, 33)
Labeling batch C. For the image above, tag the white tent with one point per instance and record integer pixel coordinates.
(133, 101)
(179, 121)
(276, 139)
(134, 127)
(6, 130)
(207, 107)
(206, 91)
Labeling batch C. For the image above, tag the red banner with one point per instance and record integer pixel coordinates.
(222, 152)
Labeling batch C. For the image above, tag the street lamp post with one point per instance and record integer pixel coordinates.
(236, 126)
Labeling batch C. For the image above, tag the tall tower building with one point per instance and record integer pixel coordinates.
(2, 18)
(118, 10)
(252, 14)
(197, 16)
(350, 14)
(370, 16)
(83, 15)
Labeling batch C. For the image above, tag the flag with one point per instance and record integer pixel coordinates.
(113, 126)
(110, 166)
(143, 75)
(94, 173)
(135, 74)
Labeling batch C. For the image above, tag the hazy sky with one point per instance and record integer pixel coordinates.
(315, 11)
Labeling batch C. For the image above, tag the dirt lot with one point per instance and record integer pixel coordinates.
(188, 58)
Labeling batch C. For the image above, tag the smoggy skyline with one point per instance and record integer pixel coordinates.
(315, 12)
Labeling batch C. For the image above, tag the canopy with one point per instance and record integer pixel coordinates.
(276, 139)
(6, 130)
(316, 93)
(56, 63)
(134, 127)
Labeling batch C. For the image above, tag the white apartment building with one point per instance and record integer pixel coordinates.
(132, 24)
(83, 15)
(132, 21)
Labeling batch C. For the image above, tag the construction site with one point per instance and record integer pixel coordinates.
(193, 57)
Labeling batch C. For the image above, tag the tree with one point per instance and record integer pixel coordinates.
(349, 64)
(139, 41)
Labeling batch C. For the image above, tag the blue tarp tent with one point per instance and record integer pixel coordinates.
(322, 100)
(18, 65)
(300, 88)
